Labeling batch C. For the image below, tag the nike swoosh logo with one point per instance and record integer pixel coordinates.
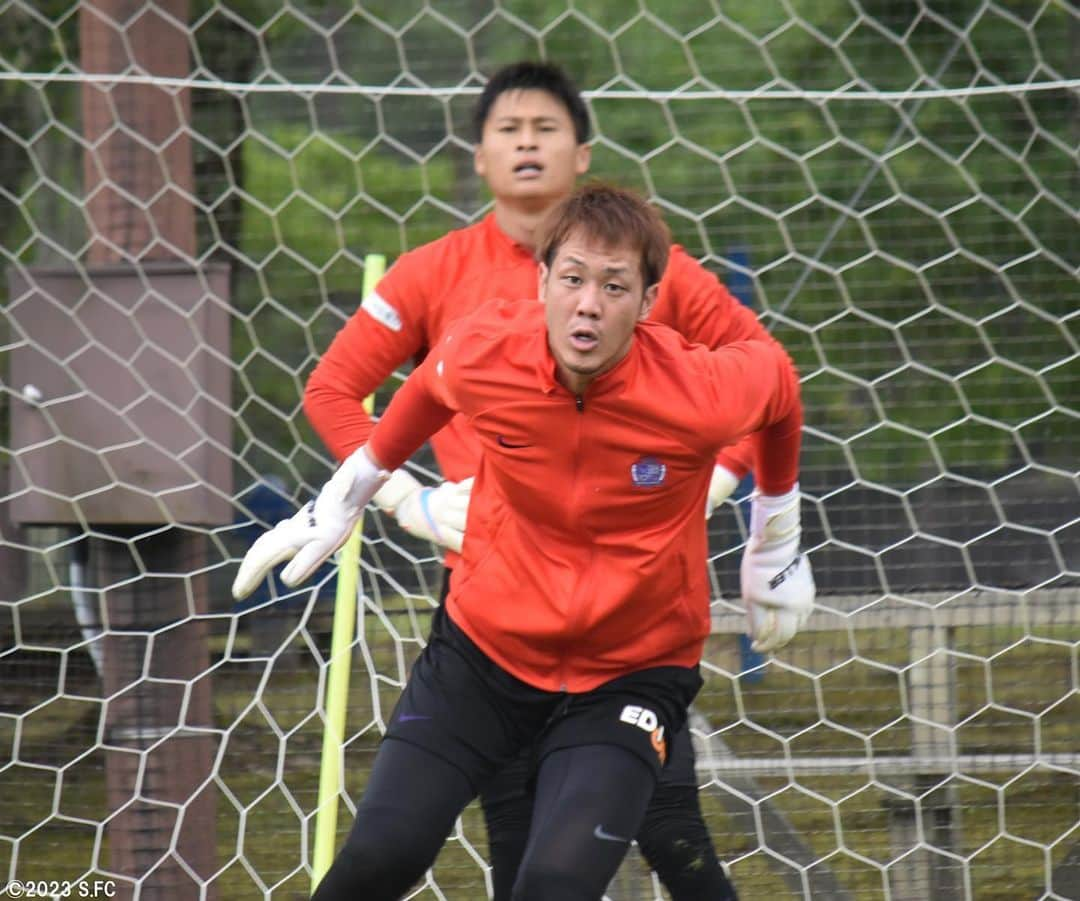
(502, 442)
(410, 717)
(601, 833)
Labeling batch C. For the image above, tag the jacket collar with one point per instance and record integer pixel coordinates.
(609, 383)
(499, 241)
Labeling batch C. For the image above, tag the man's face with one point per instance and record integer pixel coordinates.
(529, 150)
(594, 296)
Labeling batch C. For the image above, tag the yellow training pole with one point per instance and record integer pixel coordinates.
(337, 682)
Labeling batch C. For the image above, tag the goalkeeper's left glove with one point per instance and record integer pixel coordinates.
(777, 584)
(321, 526)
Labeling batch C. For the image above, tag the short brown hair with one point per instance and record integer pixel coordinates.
(616, 218)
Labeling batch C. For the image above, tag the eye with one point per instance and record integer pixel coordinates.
(615, 288)
(572, 280)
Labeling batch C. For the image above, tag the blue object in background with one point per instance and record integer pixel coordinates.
(739, 282)
(741, 285)
(752, 670)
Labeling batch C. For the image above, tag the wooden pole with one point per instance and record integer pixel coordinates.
(139, 183)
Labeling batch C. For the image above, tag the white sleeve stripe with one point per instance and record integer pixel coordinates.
(379, 310)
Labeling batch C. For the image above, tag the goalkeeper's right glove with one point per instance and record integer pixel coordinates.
(434, 513)
(777, 584)
(321, 526)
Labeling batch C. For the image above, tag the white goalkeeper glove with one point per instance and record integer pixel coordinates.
(721, 486)
(777, 584)
(434, 513)
(310, 536)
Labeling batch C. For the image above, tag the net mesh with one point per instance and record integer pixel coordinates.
(893, 186)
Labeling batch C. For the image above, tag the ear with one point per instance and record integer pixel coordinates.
(479, 163)
(648, 300)
(582, 158)
(541, 282)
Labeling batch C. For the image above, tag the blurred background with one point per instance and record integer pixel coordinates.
(188, 192)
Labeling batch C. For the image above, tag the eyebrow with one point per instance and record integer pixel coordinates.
(545, 118)
(607, 270)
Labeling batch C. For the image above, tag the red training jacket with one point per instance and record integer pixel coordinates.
(584, 555)
(430, 287)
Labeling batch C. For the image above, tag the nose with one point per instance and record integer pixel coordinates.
(588, 301)
(527, 138)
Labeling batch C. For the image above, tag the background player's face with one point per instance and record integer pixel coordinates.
(594, 296)
(529, 150)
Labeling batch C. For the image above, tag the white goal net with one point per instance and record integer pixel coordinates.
(188, 192)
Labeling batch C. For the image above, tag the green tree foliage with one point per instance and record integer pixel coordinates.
(313, 207)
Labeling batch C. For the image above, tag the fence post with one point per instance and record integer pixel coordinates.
(932, 708)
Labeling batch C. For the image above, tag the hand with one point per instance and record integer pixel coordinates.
(721, 486)
(310, 536)
(777, 584)
(437, 514)
(434, 513)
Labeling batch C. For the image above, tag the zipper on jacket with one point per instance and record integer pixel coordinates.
(577, 612)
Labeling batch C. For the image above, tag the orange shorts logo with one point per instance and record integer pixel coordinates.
(659, 745)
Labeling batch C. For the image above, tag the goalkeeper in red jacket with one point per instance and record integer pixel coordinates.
(577, 615)
(532, 130)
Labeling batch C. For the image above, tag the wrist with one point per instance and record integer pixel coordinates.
(775, 517)
(775, 503)
(369, 456)
(358, 477)
(424, 497)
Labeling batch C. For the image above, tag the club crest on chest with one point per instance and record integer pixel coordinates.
(648, 472)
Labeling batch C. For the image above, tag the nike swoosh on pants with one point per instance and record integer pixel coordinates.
(601, 833)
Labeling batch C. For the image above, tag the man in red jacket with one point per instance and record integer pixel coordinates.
(532, 130)
(577, 615)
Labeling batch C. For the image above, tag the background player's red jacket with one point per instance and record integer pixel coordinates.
(584, 555)
(430, 287)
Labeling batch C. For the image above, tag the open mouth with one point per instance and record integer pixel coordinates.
(528, 169)
(583, 339)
